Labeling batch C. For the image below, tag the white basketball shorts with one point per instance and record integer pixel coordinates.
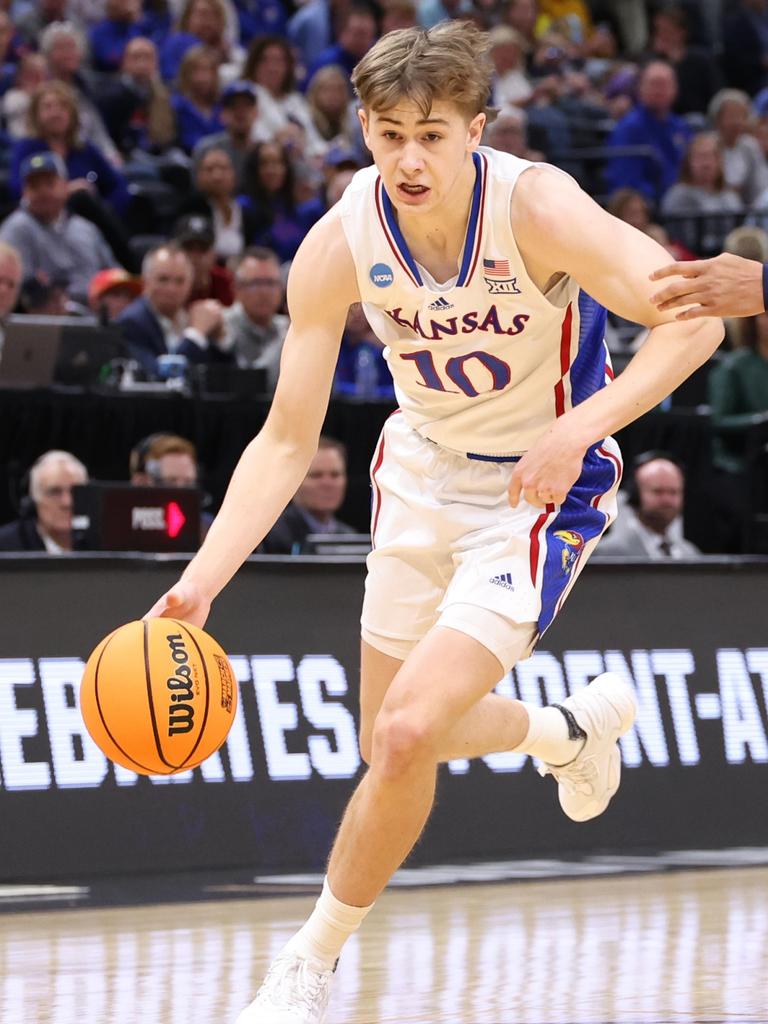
(448, 550)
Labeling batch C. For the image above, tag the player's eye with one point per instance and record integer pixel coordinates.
(390, 135)
(432, 137)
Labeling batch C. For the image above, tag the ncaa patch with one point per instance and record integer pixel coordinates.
(381, 275)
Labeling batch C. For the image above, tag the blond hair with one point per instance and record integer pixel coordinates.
(448, 62)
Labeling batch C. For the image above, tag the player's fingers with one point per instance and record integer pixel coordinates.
(684, 268)
(669, 271)
(674, 294)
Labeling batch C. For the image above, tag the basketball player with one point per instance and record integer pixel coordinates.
(482, 274)
(726, 285)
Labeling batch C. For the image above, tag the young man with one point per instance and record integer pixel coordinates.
(491, 486)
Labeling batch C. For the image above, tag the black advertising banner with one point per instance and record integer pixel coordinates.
(692, 638)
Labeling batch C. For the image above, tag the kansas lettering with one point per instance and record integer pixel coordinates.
(454, 325)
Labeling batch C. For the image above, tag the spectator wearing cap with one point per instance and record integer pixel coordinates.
(136, 105)
(109, 36)
(196, 99)
(270, 177)
(215, 198)
(271, 66)
(356, 35)
(194, 234)
(11, 272)
(256, 327)
(111, 291)
(54, 121)
(159, 322)
(48, 238)
(240, 114)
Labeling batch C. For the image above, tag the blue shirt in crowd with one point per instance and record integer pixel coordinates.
(652, 175)
(84, 161)
(108, 42)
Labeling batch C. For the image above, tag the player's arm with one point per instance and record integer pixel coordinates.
(612, 262)
(727, 285)
(321, 287)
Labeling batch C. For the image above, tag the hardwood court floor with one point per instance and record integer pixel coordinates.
(685, 948)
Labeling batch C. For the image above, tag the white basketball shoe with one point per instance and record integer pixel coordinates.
(598, 714)
(295, 991)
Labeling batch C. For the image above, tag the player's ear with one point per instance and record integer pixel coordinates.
(365, 124)
(475, 130)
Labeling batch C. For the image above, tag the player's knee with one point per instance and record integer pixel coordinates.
(399, 742)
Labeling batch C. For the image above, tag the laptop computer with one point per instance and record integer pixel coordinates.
(29, 354)
(43, 350)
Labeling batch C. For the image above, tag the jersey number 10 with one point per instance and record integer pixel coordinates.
(455, 372)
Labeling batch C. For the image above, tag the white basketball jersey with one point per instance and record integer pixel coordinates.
(484, 362)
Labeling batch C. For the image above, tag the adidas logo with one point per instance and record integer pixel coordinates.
(504, 579)
(440, 304)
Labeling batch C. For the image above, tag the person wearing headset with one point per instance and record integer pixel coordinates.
(651, 522)
(45, 514)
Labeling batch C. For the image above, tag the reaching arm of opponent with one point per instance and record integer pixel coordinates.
(321, 287)
(726, 285)
(612, 262)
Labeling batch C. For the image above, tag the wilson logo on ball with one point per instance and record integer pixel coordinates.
(181, 716)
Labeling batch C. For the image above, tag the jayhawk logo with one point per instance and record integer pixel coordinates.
(572, 544)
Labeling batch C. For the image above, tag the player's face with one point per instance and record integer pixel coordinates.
(420, 159)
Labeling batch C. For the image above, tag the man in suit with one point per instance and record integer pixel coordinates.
(158, 324)
(650, 524)
(314, 505)
(45, 523)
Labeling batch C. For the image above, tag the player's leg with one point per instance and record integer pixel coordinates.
(491, 725)
(446, 673)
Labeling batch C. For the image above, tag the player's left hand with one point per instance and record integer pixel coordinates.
(547, 471)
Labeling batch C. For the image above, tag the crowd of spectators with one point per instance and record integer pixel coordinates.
(161, 161)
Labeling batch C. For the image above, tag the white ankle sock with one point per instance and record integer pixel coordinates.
(548, 737)
(329, 926)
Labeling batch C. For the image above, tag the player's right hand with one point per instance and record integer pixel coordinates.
(183, 601)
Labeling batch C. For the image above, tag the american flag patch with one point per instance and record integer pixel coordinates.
(496, 268)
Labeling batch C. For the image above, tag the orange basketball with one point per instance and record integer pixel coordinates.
(158, 696)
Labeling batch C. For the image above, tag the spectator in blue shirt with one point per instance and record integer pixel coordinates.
(310, 29)
(361, 369)
(260, 17)
(54, 118)
(196, 101)
(110, 36)
(270, 176)
(202, 22)
(651, 124)
(357, 34)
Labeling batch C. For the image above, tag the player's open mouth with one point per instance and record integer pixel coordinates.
(412, 190)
